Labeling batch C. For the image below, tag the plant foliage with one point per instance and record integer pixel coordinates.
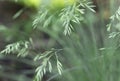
(46, 63)
(21, 48)
(65, 18)
(114, 25)
(113, 19)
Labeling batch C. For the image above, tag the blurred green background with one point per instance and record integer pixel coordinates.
(88, 54)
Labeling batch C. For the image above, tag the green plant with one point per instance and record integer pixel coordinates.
(114, 19)
(94, 54)
(66, 17)
(62, 20)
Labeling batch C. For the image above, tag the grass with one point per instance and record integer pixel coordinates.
(89, 54)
